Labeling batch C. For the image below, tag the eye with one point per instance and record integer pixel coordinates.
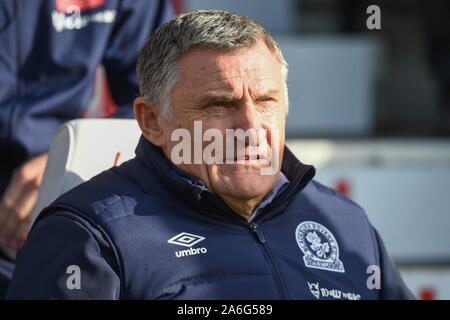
(267, 104)
(266, 99)
(216, 106)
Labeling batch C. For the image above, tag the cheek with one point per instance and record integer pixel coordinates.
(275, 127)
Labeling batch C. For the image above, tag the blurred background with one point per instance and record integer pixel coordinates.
(370, 108)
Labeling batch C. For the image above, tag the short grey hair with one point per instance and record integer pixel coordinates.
(212, 29)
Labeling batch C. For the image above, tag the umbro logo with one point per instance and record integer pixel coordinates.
(187, 240)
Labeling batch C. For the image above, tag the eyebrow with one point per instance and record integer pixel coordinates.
(217, 95)
(227, 96)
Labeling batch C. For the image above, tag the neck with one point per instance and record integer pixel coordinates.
(245, 207)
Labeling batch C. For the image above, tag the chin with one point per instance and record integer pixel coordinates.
(245, 186)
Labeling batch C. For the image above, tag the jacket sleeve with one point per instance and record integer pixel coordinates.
(392, 284)
(65, 258)
(135, 22)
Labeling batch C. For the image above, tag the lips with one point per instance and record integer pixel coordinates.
(256, 158)
(252, 153)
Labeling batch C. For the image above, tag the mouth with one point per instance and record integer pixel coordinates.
(253, 157)
(249, 159)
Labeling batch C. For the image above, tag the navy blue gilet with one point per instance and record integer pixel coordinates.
(140, 231)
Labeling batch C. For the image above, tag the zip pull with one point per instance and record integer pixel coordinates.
(259, 234)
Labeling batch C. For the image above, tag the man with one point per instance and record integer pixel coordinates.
(172, 224)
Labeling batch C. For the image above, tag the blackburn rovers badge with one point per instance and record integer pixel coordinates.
(319, 247)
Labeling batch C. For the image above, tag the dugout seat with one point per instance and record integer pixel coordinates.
(83, 148)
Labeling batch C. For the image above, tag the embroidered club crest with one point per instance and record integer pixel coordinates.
(319, 246)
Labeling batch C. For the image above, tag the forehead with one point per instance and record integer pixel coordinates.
(256, 66)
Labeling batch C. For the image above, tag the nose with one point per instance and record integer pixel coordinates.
(247, 117)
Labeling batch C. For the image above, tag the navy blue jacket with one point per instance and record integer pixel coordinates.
(47, 64)
(147, 230)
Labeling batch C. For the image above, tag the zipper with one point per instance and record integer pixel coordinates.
(281, 286)
(258, 232)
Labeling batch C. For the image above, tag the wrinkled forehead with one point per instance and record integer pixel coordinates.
(255, 65)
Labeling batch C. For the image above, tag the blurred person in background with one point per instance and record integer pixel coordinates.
(49, 52)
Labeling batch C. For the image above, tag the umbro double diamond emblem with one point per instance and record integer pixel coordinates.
(187, 240)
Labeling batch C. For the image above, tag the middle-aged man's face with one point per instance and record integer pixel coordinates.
(239, 89)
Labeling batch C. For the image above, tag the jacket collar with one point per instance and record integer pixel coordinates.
(193, 191)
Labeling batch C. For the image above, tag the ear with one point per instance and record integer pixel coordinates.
(149, 120)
